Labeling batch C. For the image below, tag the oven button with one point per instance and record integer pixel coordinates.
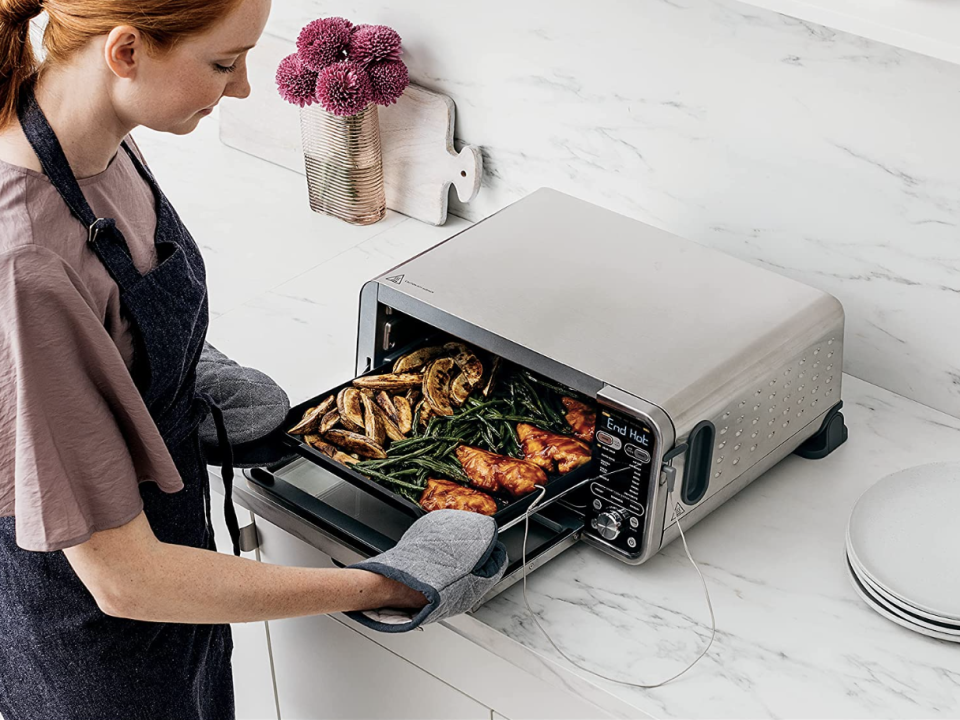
(631, 542)
(638, 454)
(634, 523)
(608, 525)
(609, 440)
(599, 490)
(597, 505)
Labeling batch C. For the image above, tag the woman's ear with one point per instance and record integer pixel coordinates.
(123, 51)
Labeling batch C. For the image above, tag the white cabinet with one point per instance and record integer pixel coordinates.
(325, 669)
(252, 671)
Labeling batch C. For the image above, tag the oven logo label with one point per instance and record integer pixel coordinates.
(396, 279)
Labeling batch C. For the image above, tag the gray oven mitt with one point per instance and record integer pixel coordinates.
(452, 556)
(254, 409)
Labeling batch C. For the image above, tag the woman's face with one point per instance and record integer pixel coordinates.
(174, 90)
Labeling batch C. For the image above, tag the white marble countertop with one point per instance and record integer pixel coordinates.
(793, 639)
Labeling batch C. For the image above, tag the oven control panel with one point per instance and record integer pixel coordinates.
(624, 451)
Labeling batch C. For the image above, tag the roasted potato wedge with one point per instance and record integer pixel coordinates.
(392, 382)
(355, 442)
(311, 418)
(436, 385)
(460, 389)
(351, 409)
(389, 426)
(413, 396)
(466, 360)
(388, 406)
(342, 457)
(329, 421)
(426, 411)
(404, 414)
(372, 421)
(416, 359)
(315, 441)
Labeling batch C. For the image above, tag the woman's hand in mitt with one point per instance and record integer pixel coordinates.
(452, 557)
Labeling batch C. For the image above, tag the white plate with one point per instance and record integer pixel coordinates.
(883, 595)
(905, 537)
(892, 606)
(869, 599)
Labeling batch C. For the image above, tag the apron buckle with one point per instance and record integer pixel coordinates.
(94, 230)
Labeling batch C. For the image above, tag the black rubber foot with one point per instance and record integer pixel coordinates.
(831, 435)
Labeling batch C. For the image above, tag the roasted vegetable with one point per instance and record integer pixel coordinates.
(581, 417)
(388, 406)
(436, 385)
(342, 457)
(460, 389)
(389, 426)
(329, 421)
(372, 423)
(417, 359)
(491, 382)
(311, 418)
(394, 382)
(447, 495)
(551, 451)
(404, 414)
(499, 473)
(350, 406)
(315, 441)
(466, 360)
(413, 396)
(355, 442)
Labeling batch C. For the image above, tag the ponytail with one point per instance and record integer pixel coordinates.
(17, 61)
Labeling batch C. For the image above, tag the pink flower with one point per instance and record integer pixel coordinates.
(324, 42)
(297, 83)
(374, 43)
(388, 80)
(344, 88)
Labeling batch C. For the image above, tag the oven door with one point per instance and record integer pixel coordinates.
(348, 523)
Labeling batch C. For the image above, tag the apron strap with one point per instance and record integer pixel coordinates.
(226, 467)
(102, 233)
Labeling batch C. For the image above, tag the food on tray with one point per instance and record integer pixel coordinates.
(581, 417)
(392, 381)
(355, 442)
(351, 409)
(499, 473)
(436, 385)
(551, 451)
(451, 424)
(311, 418)
(404, 414)
(447, 495)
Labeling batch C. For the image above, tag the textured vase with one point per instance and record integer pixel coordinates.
(344, 164)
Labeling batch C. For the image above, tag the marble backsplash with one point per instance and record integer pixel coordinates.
(817, 154)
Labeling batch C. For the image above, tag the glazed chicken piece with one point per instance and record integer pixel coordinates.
(499, 473)
(447, 495)
(581, 417)
(550, 451)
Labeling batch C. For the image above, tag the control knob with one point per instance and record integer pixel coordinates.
(608, 524)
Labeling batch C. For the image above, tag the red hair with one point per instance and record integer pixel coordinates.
(72, 23)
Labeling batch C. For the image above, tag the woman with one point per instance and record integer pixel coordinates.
(112, 604)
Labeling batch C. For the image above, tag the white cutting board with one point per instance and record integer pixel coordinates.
(419, 160)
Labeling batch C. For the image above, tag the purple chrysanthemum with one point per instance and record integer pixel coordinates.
(296, 82)
(343, 88)
(374, 43)
(324, 42)
(388, 81)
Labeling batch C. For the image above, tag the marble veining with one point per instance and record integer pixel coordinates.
(819, 154)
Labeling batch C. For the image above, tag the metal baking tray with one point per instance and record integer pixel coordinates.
(509, 512)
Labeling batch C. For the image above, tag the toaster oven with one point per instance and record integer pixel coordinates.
(706, 371)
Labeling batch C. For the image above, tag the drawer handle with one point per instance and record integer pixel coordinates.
(697, 468)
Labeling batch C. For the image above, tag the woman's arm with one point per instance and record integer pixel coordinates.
(133, 575)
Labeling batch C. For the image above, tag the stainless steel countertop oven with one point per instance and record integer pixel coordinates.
(706, 370)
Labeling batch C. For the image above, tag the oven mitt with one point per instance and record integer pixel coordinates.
(254, 408)
(452, 556)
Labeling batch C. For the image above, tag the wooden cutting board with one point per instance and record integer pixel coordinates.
(419, 160)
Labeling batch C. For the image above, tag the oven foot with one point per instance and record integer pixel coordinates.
(831, 435)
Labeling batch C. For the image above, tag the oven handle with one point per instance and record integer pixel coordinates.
(355, 534)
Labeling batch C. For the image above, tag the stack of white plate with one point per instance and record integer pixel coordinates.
(903, 549)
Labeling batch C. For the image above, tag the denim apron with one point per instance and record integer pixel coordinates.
(61, 658)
